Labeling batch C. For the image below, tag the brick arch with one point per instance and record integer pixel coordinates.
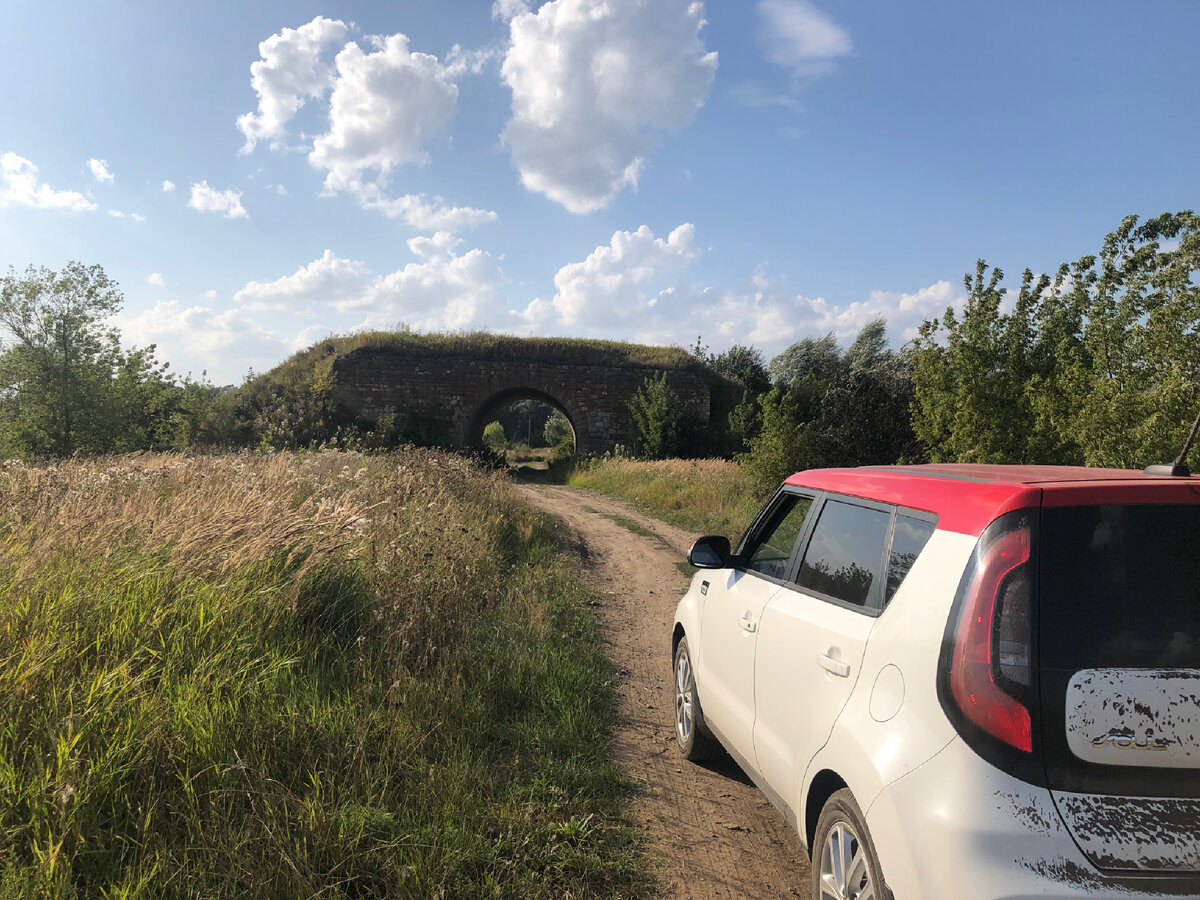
(439, 398)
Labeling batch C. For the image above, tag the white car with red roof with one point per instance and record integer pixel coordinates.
(961, 682)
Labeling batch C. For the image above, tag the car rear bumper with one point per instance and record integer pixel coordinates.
(958, 827)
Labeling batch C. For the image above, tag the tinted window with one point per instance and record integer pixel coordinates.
(908, 540)
(845, 552)
(1120, 587)
(769, 548)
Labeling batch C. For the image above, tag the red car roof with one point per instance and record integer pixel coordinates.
(966, 498)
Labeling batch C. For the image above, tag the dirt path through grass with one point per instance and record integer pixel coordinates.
(714, 834)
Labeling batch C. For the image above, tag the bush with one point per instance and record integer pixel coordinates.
(493, 437)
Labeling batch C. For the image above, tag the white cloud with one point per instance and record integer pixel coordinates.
(116, 214)
(137, 217)
(593, 85)
(168, 186)
(99, 169)
(156, 279)
(289, 71)
(609, 287)
(799, 37)
(326, 280)
(198, 338)
(420, 213)
(227, 203)
(444, 290)
(211, 295)
(507, 10)
(385, 105)
(19, 186)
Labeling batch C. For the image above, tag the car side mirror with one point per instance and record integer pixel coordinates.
(710, 552)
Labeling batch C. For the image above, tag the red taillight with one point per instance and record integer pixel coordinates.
(973, 668)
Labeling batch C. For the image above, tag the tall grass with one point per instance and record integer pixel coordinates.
(707, 496)
(298, 675)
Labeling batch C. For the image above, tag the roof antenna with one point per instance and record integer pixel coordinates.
(1179, 467)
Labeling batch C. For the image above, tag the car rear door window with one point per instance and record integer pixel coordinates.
(845, 553)
(908, 540)
(769, 548)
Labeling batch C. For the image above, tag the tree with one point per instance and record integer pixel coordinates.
(658, 420)
(493, 437)
(812, 359)
(781, 446)
(56, 378)
(745, 365)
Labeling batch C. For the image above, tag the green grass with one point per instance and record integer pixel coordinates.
(299, 675)
(629, 525)
(686, 568)
(701, 496)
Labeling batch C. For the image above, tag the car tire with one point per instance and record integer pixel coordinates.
(695, 741)
(845, 865)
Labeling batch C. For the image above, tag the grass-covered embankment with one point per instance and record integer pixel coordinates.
(707, 496)
(298, 675)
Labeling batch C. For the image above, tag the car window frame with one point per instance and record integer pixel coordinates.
(875, 605)
(741, 563)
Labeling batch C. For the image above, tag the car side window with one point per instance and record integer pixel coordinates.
(845, 553)
(908, 540)
(770, 546)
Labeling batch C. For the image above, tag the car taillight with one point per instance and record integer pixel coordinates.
(991, 644)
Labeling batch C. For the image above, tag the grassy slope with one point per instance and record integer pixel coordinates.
(297, 675)
(705, 496)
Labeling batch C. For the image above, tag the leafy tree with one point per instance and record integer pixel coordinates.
(1138, 375)
(56, 377)
(811, 360)
(658, 419)
(781, 446)
(745, 365)
(493, 437)
(864, 417)
(557, 430)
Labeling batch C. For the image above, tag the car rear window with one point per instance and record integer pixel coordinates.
(845, 551)
(1120, 587)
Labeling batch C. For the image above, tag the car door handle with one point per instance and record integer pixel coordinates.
(836, 666)
(748, 623)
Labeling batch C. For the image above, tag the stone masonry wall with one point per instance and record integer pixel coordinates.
(449, 399)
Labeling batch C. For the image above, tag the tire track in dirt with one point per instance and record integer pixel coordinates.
(713, 834)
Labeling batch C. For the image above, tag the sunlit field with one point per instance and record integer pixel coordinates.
(293, 675)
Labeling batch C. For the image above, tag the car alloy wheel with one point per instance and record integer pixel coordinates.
(845, 873)
(685, 699)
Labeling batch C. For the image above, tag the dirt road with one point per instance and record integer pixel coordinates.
(714, 834)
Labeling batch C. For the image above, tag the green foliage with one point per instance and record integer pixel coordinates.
(1099, 365)
(660, 420)
(493, 437)
(811, 360)
(66, 385)
(781, 446)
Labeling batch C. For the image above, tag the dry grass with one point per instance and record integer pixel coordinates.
(294, 675)
(710, 496)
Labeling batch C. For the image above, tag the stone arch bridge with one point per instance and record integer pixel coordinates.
(446, 396)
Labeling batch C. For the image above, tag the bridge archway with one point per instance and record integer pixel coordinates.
(491, 407)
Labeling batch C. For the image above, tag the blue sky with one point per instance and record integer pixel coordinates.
(652, 170)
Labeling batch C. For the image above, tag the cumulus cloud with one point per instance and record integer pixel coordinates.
(289, 72)
(99, 170)
(116, 213)
(226, 203)
(196, 339)
(593, 85)
(20, 186)
(326, 280)
(610, 286)
(137, 217)
(799, 37)
(168, 186)
(385, 105)
(418, 212)
(443, 290)
(156, 279)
